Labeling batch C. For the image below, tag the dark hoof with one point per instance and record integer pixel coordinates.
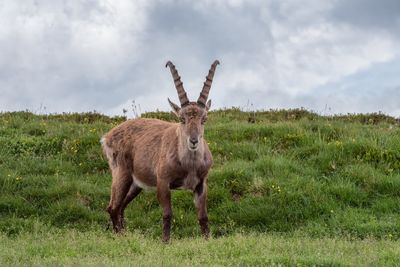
(166, 240)
(206, 236)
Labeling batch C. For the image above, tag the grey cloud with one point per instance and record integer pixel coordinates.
(192, 37)
(185, 32)
(77, 56)
(326, 103)
(383, 14)
(45, 64)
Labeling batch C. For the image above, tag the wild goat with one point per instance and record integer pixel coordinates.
(150, 153)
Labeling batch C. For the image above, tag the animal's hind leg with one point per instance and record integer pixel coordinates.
(121, 182)
(134, 190)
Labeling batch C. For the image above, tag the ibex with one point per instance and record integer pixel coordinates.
(150, 153)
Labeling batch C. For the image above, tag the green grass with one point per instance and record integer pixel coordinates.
(280, 178)
(71, 248)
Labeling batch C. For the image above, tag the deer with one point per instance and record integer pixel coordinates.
(151, 154)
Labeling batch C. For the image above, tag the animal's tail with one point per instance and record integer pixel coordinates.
(108, 151)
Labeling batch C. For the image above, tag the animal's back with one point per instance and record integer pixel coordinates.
(134, 136)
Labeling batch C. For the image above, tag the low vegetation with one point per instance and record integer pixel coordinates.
(279, 178)
(76, 248)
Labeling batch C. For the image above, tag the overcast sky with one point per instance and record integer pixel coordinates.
(333, 56)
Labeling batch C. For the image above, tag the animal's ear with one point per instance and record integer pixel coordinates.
(208, 105)
(175, 107)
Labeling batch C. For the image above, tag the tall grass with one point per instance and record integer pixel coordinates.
(275, 171)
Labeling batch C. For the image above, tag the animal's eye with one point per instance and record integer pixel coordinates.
(203, 120)
(182, 119)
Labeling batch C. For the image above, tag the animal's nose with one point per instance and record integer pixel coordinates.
(194, 141)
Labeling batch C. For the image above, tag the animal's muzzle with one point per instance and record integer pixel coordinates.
(194, 141)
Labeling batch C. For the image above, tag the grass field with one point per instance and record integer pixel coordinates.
(288, 187)
(71, 247)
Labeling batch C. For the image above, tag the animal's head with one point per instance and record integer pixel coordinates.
(192, 115)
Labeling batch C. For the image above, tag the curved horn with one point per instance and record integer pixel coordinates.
(178, 84)
(207, 85)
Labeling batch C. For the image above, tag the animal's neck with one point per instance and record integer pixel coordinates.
(188, 158)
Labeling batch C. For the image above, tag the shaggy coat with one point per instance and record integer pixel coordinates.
(154, 154)
(145, 149)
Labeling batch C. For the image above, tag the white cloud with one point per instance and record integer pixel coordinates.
(324, 53)
(101, 54)
(60, 51)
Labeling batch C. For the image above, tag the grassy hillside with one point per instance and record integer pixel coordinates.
(285, 173)
(94, 248)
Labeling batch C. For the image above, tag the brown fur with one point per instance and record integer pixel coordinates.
(156, 154)
(149, 153)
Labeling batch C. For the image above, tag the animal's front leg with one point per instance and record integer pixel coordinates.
(164, 197)
(200, 200)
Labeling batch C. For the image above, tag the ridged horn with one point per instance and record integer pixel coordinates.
(178, 84)
(207, 85)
